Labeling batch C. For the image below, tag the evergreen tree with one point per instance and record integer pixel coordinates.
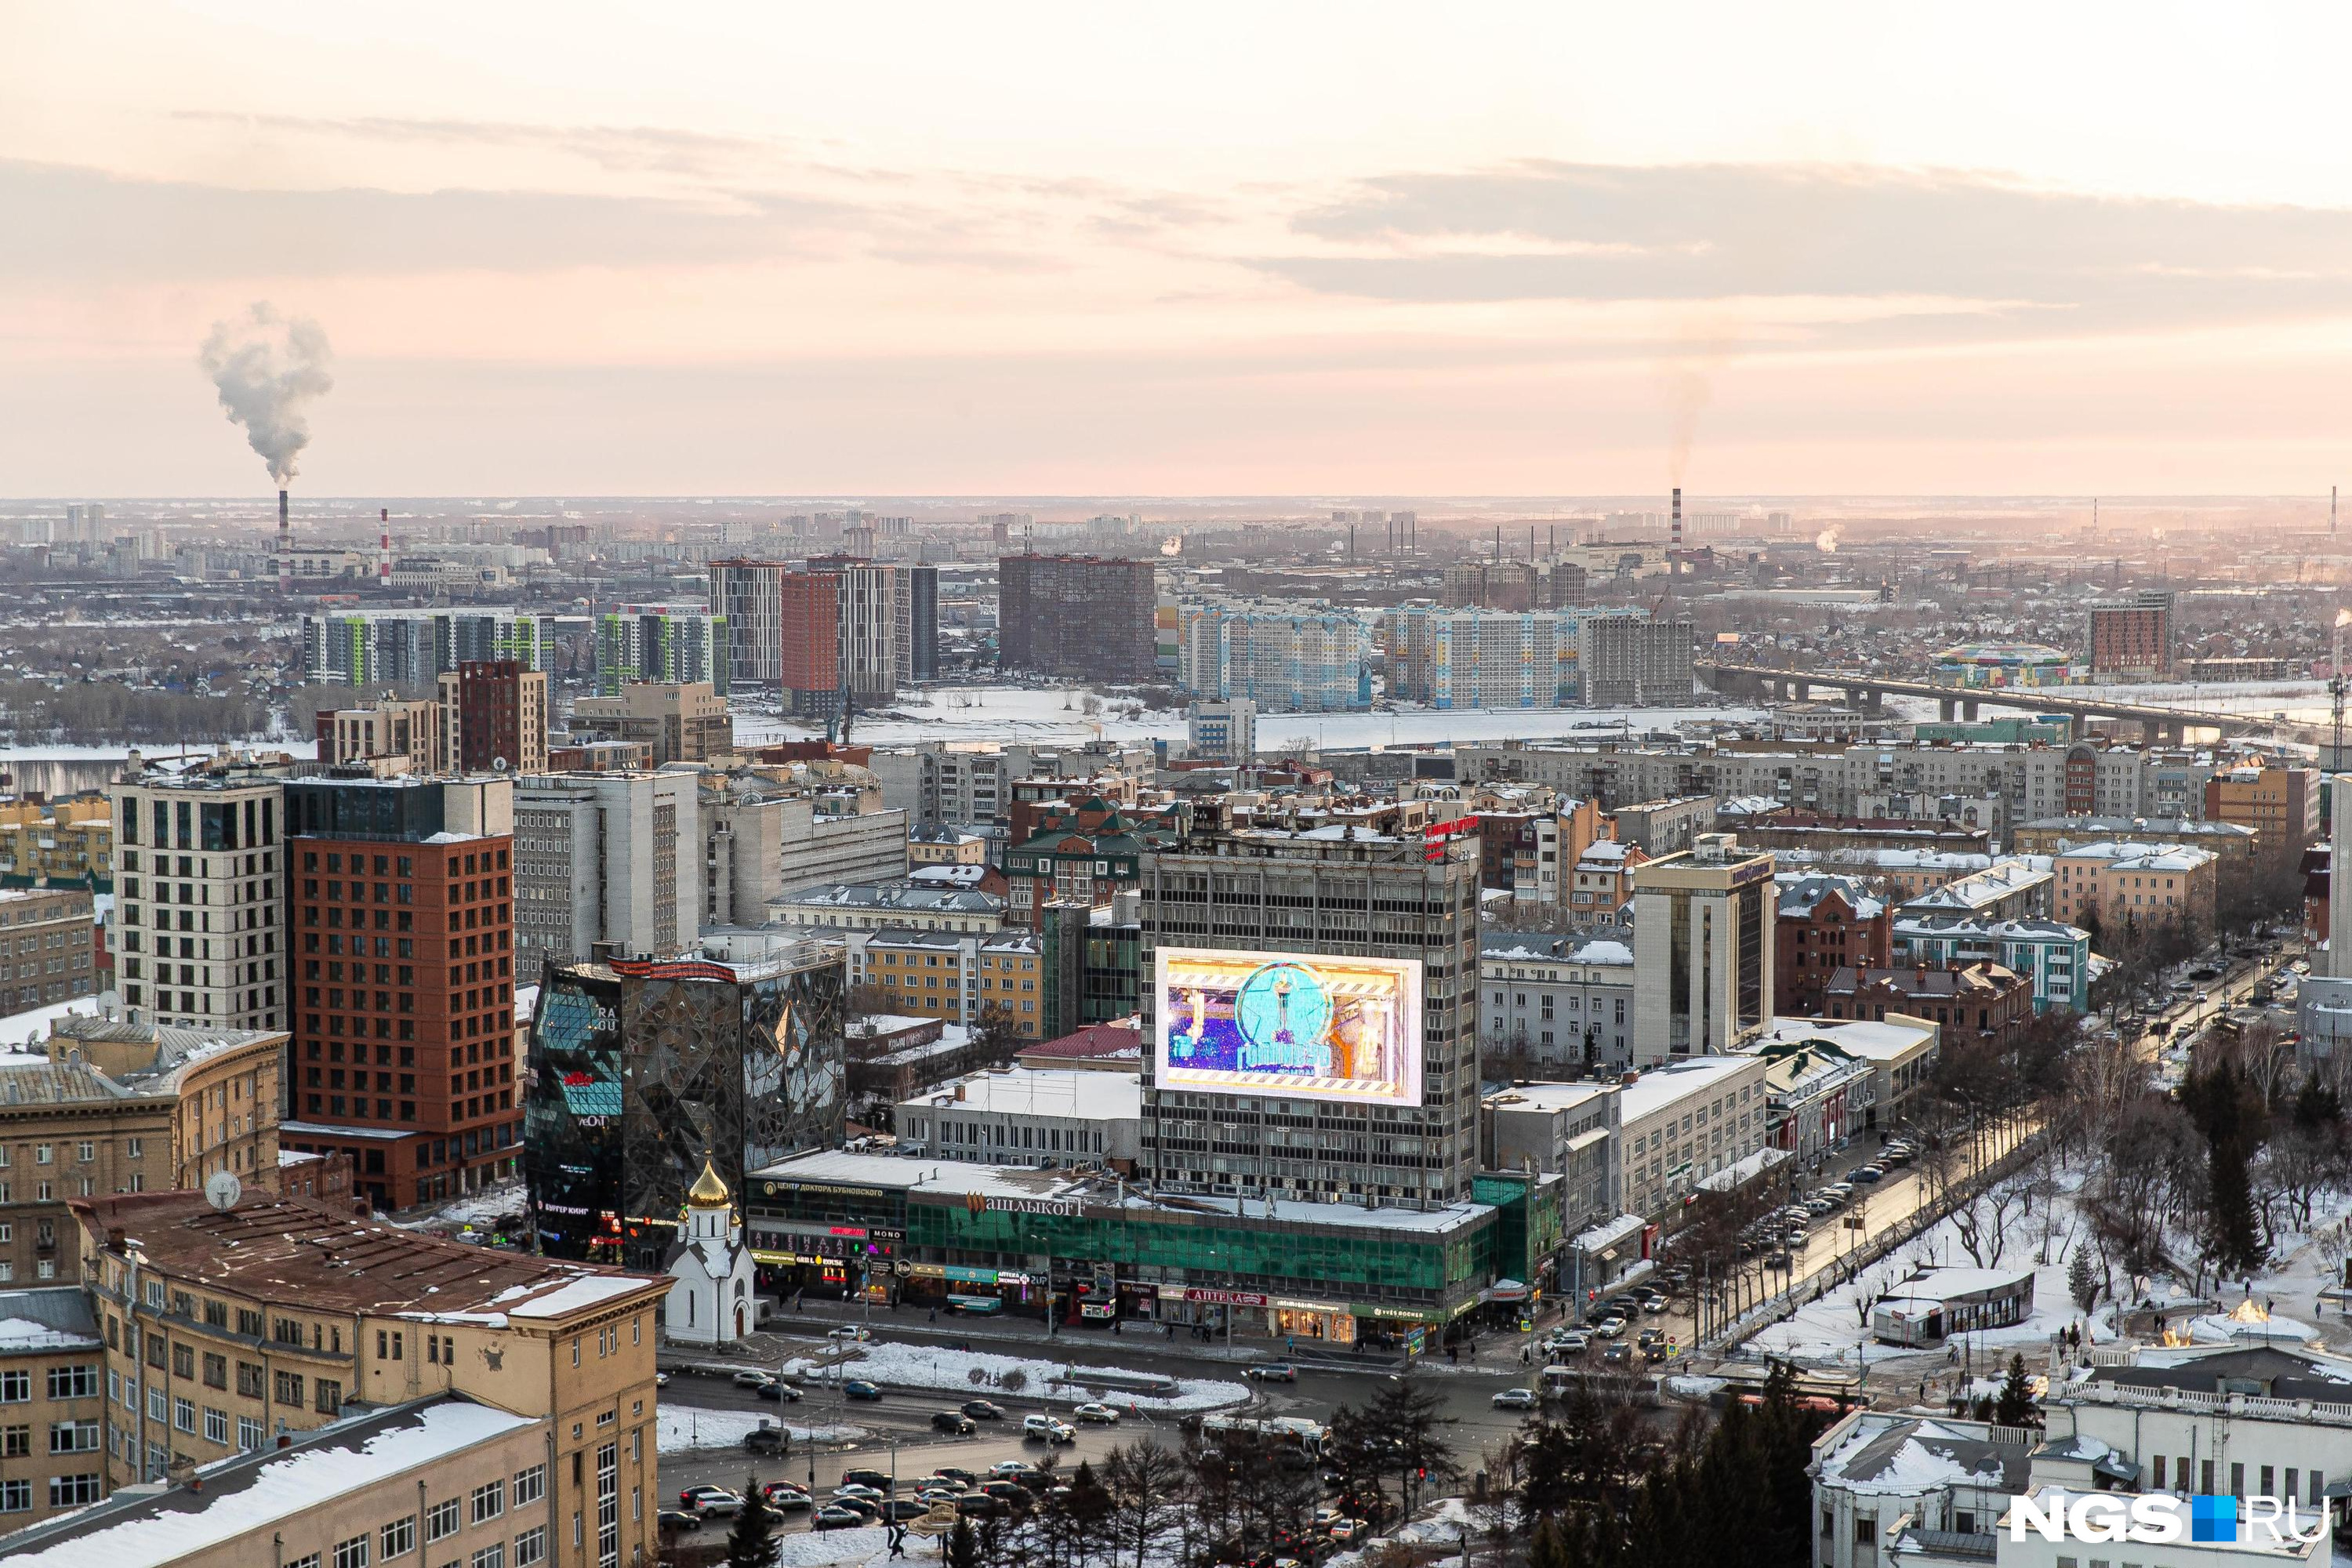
(2014, 1408)
(2082, 1281)
(964, 1545)
(752, 1543)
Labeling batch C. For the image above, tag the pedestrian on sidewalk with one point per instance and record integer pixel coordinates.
(935, 1314)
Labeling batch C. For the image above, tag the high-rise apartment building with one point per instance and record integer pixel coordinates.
(1220, 730)
(1485, 659)
(605, 859)
(666, 643)
(2131, 638)
(1632, 661)
(1081, 617)
(47, 953)
(403, 914)
(1286, 657)
(200, 897)
(920, 635)
(493, 718)
(1310, 1016)
(834, 635)
(2280, 804)
(1703, 950)
(412, 648)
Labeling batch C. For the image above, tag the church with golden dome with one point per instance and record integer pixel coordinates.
(710, 1302)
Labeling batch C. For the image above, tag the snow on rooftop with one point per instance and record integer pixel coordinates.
(30, 1027)
(161, 1529)
(1661, 1086)
(586, 1291)
(20, 1334)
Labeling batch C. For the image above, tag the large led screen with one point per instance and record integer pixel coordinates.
(1307, 1025)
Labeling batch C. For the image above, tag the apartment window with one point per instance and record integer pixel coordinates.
(329, 1400)
(531, 1546)
(73, 1437)
(215, 1425)
(16, 1442)
(491, 1557)
(248, 1379)
(73, 1492)
(529, 1486)
(489, 1501)
(397, 1539)
(249, 1434)
(289, 1386)
(16, 1387)
(76, 1381)
(17, 1497)
(183, 1415)
(441, 1520)
(352, 1553)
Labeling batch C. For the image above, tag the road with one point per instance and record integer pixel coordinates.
(1465, 1395)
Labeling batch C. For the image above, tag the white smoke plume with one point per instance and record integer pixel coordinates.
(266, 368)
(1826, 541)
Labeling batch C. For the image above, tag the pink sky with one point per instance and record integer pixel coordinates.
(1219, 250)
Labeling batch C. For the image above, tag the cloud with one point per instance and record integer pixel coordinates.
(184, 232)
(1996, 258)
(649, 149)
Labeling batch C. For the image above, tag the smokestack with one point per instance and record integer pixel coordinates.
(1679, 518)
(1531, 542)
(284, 549)
(2331, 511)
(383, 548)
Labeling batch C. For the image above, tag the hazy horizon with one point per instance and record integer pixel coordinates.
(1527, 252)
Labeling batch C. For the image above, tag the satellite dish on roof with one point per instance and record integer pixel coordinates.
(498, 764)
(222, 1189)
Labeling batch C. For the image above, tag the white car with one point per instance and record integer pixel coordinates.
(1570, 1341)
(1045, 1430)
(849, 1333)
(1100, 1415)
(1516, 1399)
(1610, 1327)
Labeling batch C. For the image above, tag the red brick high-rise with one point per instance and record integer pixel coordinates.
(401, 919)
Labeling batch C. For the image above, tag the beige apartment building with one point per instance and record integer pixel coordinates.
(52, 1412)
(409, 729)
(464, 1477)
(2111, 884)
(61, 841)
(228, 1329)
(683, 722)
(125, 1108)
(48, 950)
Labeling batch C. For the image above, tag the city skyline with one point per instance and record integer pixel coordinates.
(1529, 253)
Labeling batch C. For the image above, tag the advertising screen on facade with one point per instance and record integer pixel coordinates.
(1308, 1026)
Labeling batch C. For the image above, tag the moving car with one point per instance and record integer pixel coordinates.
(1347, 1529)
(983, 1410)
(1654, 1305)
(1272, 1372)
(1610, 1327)
(677, 1518)
(1098, 1413)
(861, 1390)
(786, 1496)
(878, 1479)
(781, 1393)
(955, 1423)
(1045, 1430)
(1010, 1469)
(752, 1380)
(1570, 1341)
(849, 1333)
(1516, 1399)
(710, 1500)
(661, 1380)
(764, 1441)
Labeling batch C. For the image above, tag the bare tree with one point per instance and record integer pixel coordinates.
(1148, 1485)
(1982, 1222)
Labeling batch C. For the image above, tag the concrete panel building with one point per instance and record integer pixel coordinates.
(606, 859)
(1703, 924)
(47, 953)
(1082, 618)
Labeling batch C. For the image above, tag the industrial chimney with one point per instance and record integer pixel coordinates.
(383, 548)
(1677, 540)
(284, 549)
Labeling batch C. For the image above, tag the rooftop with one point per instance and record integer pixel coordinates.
(244, 1498)
(1877, 1040)
(1041, 1092)
(2131, 857)
(1093, 1042)
(295, 1250)
(58, 1317)
(1883, 1453)
(1661, 1086)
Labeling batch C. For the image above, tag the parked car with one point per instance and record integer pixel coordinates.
(959, 1475)
(833, 1516)
(978, 1505)
(786, 1496)
(865, 1507)
(710, 1501)
(1011, 1469)
(1098, 1413)
(1610, 1327)
(1870, 1172)
(860, 1389)
(849, 1333)
(1516, 1399)
(904, 1509)
(1010, 1494)
(954, 1423)
(857, 1491)
(1570, 1341)
(1776, 1258)
(677, 1518)
(781, 1393)
(983, 1410)
(1272, 1372)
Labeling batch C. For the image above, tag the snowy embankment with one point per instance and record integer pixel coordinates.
(685, 1426)
(929, 1366)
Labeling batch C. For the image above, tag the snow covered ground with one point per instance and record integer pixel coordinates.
(685, 1426)
(931, 1366)
(1017, 714)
